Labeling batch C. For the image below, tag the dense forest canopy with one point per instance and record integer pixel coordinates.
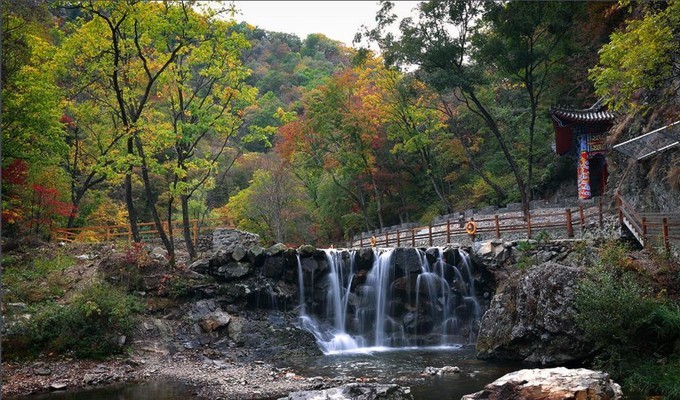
(127, 112)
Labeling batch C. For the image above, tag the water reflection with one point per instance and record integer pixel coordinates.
(405, 367)
(137, 391)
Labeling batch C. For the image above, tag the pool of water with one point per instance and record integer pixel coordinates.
(406, 366)
(155, 390)
(402, 366)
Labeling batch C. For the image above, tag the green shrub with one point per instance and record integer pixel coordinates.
(614, 254)
(637, 337)
(89, 326)
(611, 309)
(525, 260)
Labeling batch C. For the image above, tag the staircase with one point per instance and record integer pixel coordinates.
(661, 229)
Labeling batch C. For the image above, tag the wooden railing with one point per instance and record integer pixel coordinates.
(648, 228)
(146, 229)
(496, 226)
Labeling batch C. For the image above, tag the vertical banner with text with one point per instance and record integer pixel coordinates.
(583, 170)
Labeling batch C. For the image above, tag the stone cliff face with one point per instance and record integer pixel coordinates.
(531, 318)
(652, 184)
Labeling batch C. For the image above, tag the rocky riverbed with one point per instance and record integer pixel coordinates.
(211, 379)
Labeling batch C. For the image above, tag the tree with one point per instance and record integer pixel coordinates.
(340, 134)
(93, 145)
(451, 44)
(207, 94)
(532, 38)
(643, 57)
(30, 96)
(271, 205)
(169, 78)
(127, 47)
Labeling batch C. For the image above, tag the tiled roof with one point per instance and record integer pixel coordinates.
(596, 113)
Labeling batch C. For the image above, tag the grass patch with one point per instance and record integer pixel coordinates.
(42, 278)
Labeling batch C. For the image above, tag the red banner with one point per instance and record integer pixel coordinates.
(583, 176)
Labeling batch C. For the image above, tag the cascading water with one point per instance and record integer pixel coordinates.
(391, 302)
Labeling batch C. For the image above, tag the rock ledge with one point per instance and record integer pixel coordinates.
(550, 384)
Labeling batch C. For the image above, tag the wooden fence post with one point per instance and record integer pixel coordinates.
(361, 240)
(413, 237)
(430, 233)
(448, 231)
(644, 231)
(398, 239)
(108, 233)
(664, 230)
(387, 239)
(498, 226)
(570, 227)
(582, 216)
(529, 226)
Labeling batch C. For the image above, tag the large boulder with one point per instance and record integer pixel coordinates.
(208, 315)
(220, 266)
(550, 384)
(364, 258)
(492, 253)
(532, 318)
(408, 260)
(233, 271)
(227, 239)
(273, 267)
(355, 391)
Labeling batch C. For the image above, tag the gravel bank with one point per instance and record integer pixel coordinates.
(211, 378)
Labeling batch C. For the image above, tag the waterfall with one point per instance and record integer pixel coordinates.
(387, 304)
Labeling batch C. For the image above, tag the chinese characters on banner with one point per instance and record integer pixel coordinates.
(583, 176)
(583, 170)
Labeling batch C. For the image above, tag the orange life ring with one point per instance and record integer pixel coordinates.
(471, 228)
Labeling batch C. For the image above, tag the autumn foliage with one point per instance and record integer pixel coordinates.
(30, 208)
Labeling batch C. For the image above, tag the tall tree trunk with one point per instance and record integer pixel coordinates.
(491, 123)
(186, 228)
(378, 202)
(132, 213)
(169, 245)
(435, 181)
(532, 132)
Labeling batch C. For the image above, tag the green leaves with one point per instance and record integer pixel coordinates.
(642, 57)
(31, 99)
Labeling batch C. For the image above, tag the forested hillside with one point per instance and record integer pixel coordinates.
(129, 112)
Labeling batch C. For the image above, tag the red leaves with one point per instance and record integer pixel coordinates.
(15, 173)
(68, 121)
(46, 200)
(34, 206)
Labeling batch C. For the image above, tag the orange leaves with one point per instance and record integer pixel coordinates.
(290, 137)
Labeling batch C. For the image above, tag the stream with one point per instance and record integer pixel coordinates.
(402, 366)
(405, 367)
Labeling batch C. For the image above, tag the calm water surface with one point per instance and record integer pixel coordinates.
(142, 391)
(405, 366)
